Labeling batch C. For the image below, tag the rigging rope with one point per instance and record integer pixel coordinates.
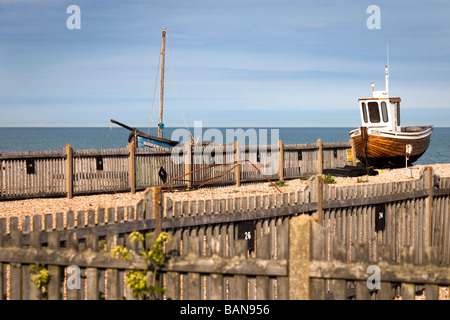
(175, 87)
(154, 94)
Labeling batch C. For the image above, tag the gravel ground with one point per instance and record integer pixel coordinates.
(35, 206)
(390, 175)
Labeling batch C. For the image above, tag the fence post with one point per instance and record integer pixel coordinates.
(188, 164)
(237, 170)
(69, 170)
(16, 280)
(315, 184)
(281, 159)
(299, 257)
(319, 156)
(152, 207)
(131, 168)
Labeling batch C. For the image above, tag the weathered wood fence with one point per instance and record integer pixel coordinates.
(320, 268)
(253, 247)
(69, 172)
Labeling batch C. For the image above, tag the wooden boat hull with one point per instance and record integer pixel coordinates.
(380, 149)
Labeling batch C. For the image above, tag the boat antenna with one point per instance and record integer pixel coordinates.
(387, 53)
(387, 71)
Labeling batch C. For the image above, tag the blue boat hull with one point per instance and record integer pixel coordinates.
(143, 142)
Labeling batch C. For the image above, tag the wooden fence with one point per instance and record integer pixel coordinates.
(320, 268)
(247, 248)
(67, 172)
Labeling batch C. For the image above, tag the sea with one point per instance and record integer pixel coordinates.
(54, 138)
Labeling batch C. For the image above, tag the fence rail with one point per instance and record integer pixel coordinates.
(256, 247)
(67, 172)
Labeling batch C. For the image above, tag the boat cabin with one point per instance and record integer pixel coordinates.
(383, 113)
(380, 111)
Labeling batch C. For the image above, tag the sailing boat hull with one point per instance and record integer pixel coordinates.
(380, 148)
(148, 142)
(142, 140)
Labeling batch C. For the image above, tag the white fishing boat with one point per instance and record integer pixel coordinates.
(380, 141)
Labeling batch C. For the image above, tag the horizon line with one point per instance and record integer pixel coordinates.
(137, 127)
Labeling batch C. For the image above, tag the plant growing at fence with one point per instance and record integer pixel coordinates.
(142, 286)
(40, 278)
(328, 178)
(279, 183)
(359, 180)
(120, 252)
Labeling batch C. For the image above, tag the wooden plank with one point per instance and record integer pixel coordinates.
(240, 281)
(112, 274)
(35, 243)
(408, 291)
(2, 266)
(173, 285)
(231, 240)
(282, 229)
(59, 221)
(390, 272)
(131, 168)
(69, 170)
(54, 271)
(194, 286)
(70, 220)
(317, 289)
(446, 232)
(386, 291)
(48, 220)
(362, 292)
(92, 274)
(73, 288)
(338, 289)
(215, 291)
(262, 282)
(280, 160)
(16, 284)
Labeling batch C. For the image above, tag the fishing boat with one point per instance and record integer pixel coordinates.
(141, 139)
(380, 141)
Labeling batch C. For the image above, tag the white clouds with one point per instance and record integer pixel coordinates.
(242, 55)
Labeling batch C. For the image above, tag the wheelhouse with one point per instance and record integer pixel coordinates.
(383, 113)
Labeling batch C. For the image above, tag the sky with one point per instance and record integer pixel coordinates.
(298, 63)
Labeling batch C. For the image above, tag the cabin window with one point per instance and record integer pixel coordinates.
(384, 112)
(398, 113)
(364, 111)
(374, 112)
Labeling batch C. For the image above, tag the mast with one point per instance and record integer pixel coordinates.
(161, 82)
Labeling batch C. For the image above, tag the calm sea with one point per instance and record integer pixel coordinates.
(29, 139)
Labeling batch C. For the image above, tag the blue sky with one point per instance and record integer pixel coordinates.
(234, 63)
